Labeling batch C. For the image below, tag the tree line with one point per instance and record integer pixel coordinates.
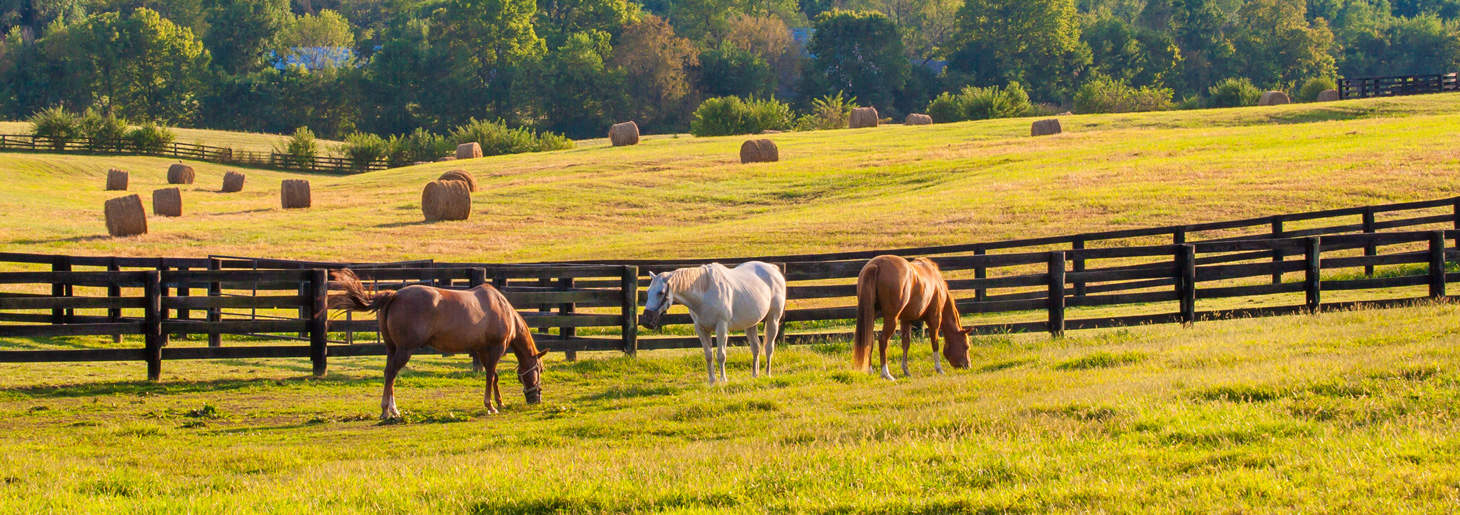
(391, 67)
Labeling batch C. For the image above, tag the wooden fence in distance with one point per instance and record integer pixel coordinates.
(1365, 87)
(205, 153)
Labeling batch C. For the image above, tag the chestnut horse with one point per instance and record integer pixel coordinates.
(478, 321)
(906, 292)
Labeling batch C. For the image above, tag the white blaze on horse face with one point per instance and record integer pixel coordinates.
(658, 300)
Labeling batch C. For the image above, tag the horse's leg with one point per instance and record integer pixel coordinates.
(889, 324)
(772, 330)
(488, 361)
(906, 335)
(933, 327)
(753, 340)
(722, 333)
(393, 363)
(709, 357)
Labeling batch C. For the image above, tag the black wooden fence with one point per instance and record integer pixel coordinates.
(206, 153)
(1364, 87)
(1092, 280)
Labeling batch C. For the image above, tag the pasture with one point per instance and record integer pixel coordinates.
(1330, 413)
(1338, 411)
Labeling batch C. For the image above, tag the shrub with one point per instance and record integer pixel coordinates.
(148, 138)
(1233, 92)
(103, 131)
(419, 145)
(828, 112)
(301, 149)
(724, 116)
(1106, 95)
(1312, 87)
(55, 124)
(363, 148)
(973, 103)
(498, 139)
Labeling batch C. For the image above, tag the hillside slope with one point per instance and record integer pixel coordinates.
(845, 189)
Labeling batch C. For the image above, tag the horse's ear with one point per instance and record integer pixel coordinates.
(966, 330)
(541, 354)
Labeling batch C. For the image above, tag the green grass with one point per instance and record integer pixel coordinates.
(834, 190)
(1335, 412)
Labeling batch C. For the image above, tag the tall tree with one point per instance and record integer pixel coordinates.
(858, 52)
(240, 32)
(1277, 45)
(486, 43)
(140, 66)
(655, 62)
(1033, 42)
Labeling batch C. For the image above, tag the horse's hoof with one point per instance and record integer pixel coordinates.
(888, 377)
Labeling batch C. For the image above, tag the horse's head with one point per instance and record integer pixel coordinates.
(658, 302)
(530, 373)
(955, 346)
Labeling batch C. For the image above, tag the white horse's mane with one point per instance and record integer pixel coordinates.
(681, 280)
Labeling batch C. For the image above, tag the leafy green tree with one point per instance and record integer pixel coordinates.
(1276, 44)
(486, 43)
(1206, 52)
(559, 20)
(1033, 42)
(578, 92)
(859, 52)
(1129, 54)
(1403, 46)
(240, 32)
(727, 71)
(140, 66)
(656, 62)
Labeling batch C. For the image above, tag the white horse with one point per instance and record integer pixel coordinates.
(721, 300)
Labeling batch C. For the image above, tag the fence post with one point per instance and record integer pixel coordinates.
(1457, 222)
(183, 291)
(215, 314)
(1313, 276)
(60, 289)
(152, 324)
(1437, 264)
(1370, 250)
(1277, 251)
(630, 285)
(476, 277)
(1186, 282)
(1079, 265)
(114, 290)
(565, 283)
(319, 289)
(1057, 294)
(1178, 236)
(980, 271)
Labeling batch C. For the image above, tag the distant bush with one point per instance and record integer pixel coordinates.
(974, 103)
(419, 145)
(301, 149)
(1106, 95)
(1312, 87)
(363, 148)
(498, 139)
(149, 138)
(56, 125)
(724, 116)
(104, 131)
(828, 112)
(1233, 92)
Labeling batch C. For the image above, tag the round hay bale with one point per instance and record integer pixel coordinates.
(460, 175)
(863, 117)
(125, 216)
(116, 180)
(471, 150)
(446, 200)
(447, 158)
(180, 174)
(167, 202)
(232, 182)
(1045, 127)
(622, 134)
(1328, 95)
(295, 193)
(759, 151)
(918, 119)
(1273, 98)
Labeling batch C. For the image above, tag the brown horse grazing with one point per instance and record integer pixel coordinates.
(906, 292)
(478, 321)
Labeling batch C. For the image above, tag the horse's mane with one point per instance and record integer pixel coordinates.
(683, 279)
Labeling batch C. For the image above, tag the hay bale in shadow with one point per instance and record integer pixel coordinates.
(471, 150)
(125, 216)
(759, 151)
(918, 119)
(1328, 95)
(116, 180)
(167, 202)
(863, 117)
(294, 193)
(1273, 98)
(180, 174)
(1045, 127)
(622, 134)
(232, 182)
(446, 200)
(460, 175)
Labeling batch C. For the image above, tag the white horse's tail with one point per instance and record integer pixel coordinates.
(866, 317)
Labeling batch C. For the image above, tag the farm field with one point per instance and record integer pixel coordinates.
(834, 190)
(1345, 411)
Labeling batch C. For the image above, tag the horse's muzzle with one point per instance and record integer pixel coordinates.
(650, 320)
(534, 397)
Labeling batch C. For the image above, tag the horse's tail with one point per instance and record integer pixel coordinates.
(866, 317)
(356, 298)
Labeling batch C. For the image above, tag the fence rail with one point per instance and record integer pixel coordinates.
(1365, 87)
(206, 153)
(1036, 284)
